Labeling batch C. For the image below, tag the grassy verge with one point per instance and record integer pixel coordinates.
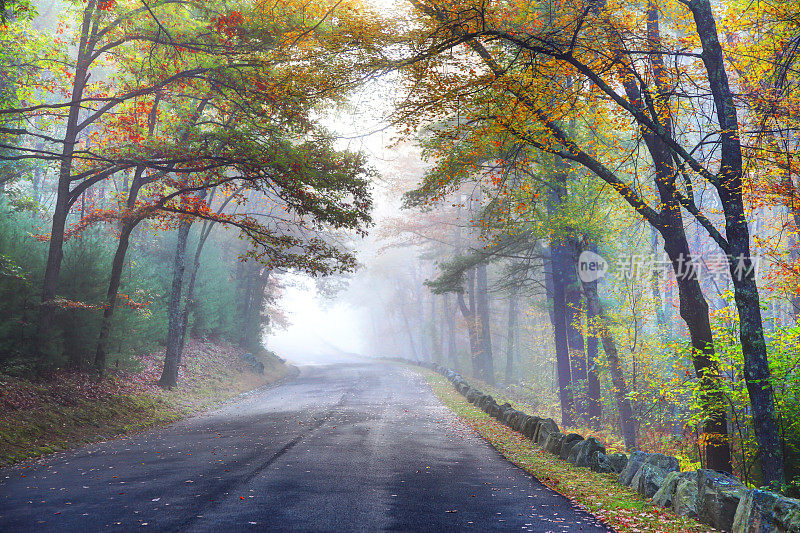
(620, 507)
(71, 409)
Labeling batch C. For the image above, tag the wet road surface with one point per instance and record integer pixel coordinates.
(347, 447)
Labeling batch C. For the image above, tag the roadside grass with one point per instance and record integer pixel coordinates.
(52, 427)
(71, 408)
(620, 507)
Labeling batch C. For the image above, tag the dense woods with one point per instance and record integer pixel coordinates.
(599, 199)
(641, 139)
(130, 133)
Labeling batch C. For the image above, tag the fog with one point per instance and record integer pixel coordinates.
(320, 331)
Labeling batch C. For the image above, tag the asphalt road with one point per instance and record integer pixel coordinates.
(348, 447)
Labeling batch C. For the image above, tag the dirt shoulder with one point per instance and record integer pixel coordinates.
(71, 408)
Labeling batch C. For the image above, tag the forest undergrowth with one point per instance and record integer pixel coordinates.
(69, 408)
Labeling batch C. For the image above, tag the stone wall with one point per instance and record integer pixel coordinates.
(714, 498)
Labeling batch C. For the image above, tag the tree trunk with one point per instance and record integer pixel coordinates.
(482, 296)
(601, 327)
(205, 231)
(188, 307)
(655, 283)
(253, 321)
(117, 265)
(694, 311)
(511, 334)
(577, 355)
(594, 407)
(172, 358)
(436, 354)
(729, 188)
(468, 312)
(693, 305)
(55, 252)
(129, 223)
(443, 336)
(558, 265)
(420, 314)
(450, 315)
(407, 324)
(250, 274)
(565, 393)
(756, 365)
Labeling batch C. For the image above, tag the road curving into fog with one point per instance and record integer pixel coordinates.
(346, 447)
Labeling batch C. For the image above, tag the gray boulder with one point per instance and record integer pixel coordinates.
(514, 418)
(594, 462)
(579, 455)
(255, 363)
(651, 474)
(472, 395)
(610, 464)
(617, 461)
(718, 496)
(502, 410)
(534, 428)
(257, 366)
(664, 496)
(521, 422)
(762, 511)
(684, 500)
(553, 442)
(509, 415)
(528, 426)
(484, 401)
(634, 463)
(569, 441)
(546, 426)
